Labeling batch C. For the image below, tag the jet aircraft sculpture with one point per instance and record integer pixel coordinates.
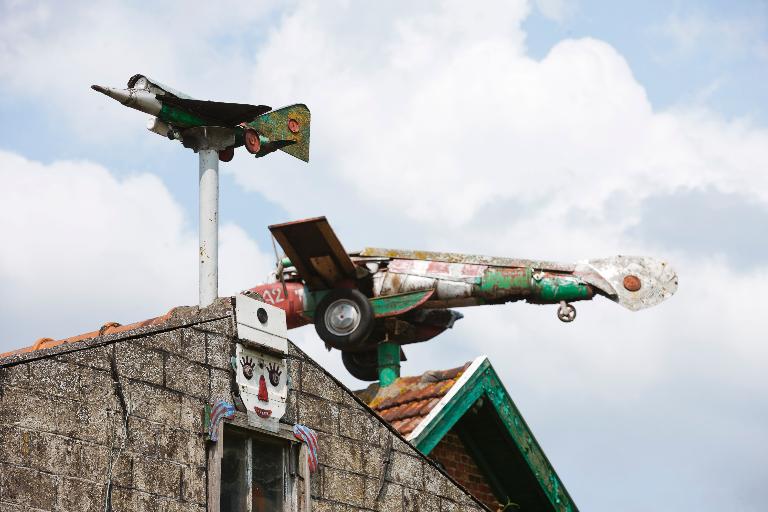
(257, 127)
(213, 129)
(357, 300)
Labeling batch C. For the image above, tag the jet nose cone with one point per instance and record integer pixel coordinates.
(120, 95)
(134, 98)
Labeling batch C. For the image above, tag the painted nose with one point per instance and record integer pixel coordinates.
(263, 395)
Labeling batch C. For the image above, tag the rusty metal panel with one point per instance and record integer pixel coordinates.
(475, 259)
(315, 252)
(465, 272)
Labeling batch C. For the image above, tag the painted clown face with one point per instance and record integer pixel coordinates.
(261, 379)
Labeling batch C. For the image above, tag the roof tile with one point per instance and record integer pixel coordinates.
(408, 400)
(107, 328)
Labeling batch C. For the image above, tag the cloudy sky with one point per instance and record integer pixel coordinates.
(555, 129)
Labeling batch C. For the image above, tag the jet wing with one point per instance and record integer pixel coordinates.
(220, 113)
(315, 251)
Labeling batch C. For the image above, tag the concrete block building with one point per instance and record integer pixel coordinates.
(120, 419)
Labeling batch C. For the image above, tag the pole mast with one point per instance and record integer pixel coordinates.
(207, 141)
(209, 226)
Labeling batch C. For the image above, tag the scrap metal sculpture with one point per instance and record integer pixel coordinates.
(369, 303)
(214, 129)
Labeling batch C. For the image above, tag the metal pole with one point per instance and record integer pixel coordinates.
(209, 226)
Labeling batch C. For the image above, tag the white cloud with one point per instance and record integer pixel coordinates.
(450, 120)
(82, 248)
(731, 37)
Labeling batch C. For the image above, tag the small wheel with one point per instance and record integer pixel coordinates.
(251, 141)
(362, 365)
(344, 318)
(566, 312)
(226, 155)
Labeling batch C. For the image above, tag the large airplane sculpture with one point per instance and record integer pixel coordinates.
(257, 127)
(357, 300)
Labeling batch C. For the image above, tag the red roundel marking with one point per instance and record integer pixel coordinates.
(293, 126)
(632, 283)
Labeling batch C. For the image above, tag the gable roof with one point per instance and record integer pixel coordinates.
(472, 401)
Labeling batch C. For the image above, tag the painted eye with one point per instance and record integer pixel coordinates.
(274, 374)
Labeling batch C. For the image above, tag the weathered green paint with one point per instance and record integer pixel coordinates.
(179, 118)
(557, 288)
(311, 300)
(486, 383)
(274, 126)
(505, 283)
(389, 363)
(390, 305)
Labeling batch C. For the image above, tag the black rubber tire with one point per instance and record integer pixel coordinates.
(362, 365)
(359, 335)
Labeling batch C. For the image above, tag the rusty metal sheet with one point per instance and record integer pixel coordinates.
(464, 272)
(474, 259)
(640, 282)
(315, 252)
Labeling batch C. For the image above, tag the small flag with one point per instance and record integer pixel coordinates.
(309, 436)
(220, 410)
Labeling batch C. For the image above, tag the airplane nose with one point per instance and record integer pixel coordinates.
(139, 99)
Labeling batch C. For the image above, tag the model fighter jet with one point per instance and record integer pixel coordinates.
(257, 127)
(359, 299)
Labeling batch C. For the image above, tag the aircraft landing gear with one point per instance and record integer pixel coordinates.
(566, 312)
(362, 365)
(344, 319)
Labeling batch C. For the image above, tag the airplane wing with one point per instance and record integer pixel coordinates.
(222, 113)
(314, 250)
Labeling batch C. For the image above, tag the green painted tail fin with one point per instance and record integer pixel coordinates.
(287, 128)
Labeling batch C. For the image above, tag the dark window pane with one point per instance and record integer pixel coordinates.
(267, 471)
(234, 488)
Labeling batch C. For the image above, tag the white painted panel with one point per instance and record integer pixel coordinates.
(272, 333)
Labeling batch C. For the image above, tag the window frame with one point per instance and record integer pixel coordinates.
(294, 461)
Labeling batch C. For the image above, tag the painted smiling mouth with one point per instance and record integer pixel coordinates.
(263, 413)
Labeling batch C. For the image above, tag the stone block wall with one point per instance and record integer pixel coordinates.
(115, 423)
(115, 426)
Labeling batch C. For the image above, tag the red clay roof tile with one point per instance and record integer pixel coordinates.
(107, 328)
(407, 401)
